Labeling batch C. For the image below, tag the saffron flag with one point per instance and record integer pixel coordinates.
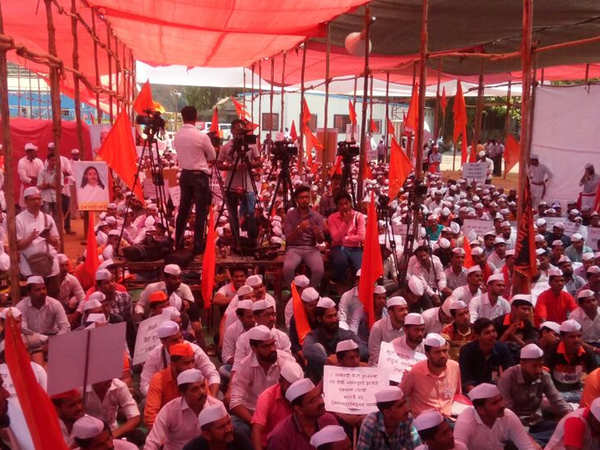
(351, 112)
(337, 167)
(468, 256)
(525, 256)
(38, 410)
(512, 151)
(305, 117)
(239, 109)
(444, 101)
(390, 128)
(118, 150)
(143, 102)
(372, 264)
(460, 121)
(412, 117)
(214, 122)
(209, 260)
(302, 325)
(597, 200)
(91, 263)
(373, 126)
(293, 132)
(400, 168)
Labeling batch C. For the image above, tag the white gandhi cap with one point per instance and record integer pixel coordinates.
(327, 435)
(326, 303)
(35, 279)
(551, 326)
(379, 290)
(172, 269)
(301, 281)
(434, 340)
(484, 390)
(531, 351)
(87, 427)
(260, 333)
(427, 420)
(244, 304)
(299, 388)
(244, 290)
(346, 345)
(396, 301)
(103, 275)
(389, 394)
(414, 319)
(189, 376)
(31, 190)
(166, 329)
(570, 326)
(260, 305)
(495, 277)
(473, 269)
(291, 372)
(309, 295)
(211, 414)
(254, 280)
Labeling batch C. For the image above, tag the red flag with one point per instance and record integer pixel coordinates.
(209, 260)
(214, 123)
(305, 117)
(597, 200)
(293, 132)
(302, 325)
(390, 128)
(38, 410)
(512, 152)
(468, 257)
(91, 263)
(412, 117)
(460, 121)
(239, 109)
(372, 265)
(118, 150)
(311, 140)
(400, 168)
(143, 101)
(373, 127)
(351, 112)
(443, 101)
(525, 256)
(337, 167)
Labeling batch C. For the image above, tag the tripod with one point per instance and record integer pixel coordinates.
(347, 182)
(284, 180)
(383, 211)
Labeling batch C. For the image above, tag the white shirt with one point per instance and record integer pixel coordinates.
(429, 276)
(230, 315)
(65, 167)
(556, 441)
(457, 446)
(590, 329)
(231, 335)
(38, 372)
(26, 223)
(193, 149)
(183, 292)
(29, 170)
(158, 359)
(408, 356)
(243, 349)
(350, 310)
(70, 291)
(432, 320)
(381, 331)
(49, 319)
(175, 425)
(539, 173)
(480, 306)
(464, 293)
(117, 398)
(476, 435)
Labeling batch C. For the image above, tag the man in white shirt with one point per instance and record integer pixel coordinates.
(172, 285)
(387, 328)
(90, 433)
(489, 425)
(472, 288)
(409, 347)
(71, 293)
(539, 175)
(497, 257)
(194, 151)
(245, 321)
(41, 313)
(491, 304)
(28, 169)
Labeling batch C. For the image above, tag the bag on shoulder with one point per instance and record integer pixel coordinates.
(41, 263)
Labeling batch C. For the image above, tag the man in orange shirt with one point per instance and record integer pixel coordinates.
(163, 385)
(554, 303)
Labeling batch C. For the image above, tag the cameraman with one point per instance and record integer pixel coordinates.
(194, 151)
(239, 189)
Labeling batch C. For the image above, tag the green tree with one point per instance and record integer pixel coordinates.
(204, 98)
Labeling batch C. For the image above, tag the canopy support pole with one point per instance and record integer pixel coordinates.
(9, 184)
(244, 87)
(56, 119)
(363, 131)
(76, 95)
(272, 124)
(301, 124)
(508, 107)
(478, 112)
(96, 67)
(326, 112)
(117, 70)
(252, 93)
(387, 115)
(437, 104)
(410, 137)
(354, 105)
(282, 122)
(110, 76)
(422, 93)
(133, 85)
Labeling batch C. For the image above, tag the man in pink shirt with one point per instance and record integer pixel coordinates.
(347, 230)
(434, 382)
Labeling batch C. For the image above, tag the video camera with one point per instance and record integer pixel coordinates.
(215, 140)
(283, 150)
(152, 121)
(244, 140)
(348, 150)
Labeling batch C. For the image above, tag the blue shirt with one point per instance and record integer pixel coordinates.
(373, 435)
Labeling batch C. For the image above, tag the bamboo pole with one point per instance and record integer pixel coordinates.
(437, 104)
(9, 174)
(422, 93)
(354, 106)
(117, 72)
(370, 102)
(508, 107)
(363, 134)
(326, 112)
(18, 90)
(56, 118)
(132, 92)
(252, 93)
(259, 102)
(387, 114)
(244, 87)
(410, 137)
(110, 75)
(478, 112)
(272, 124)
(96, 68)
(283, 92)
(300, 124)
(76, 94)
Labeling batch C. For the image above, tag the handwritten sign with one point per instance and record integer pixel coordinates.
(593, 238)
(474, 172)
(146, 339)
(478, 226)
(391, 363)
(351, 390)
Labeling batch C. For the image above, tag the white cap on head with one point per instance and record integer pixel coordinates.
(498, 276)
(299, 388)
(244, 304)
(587, 256)
(576, 237)
(379, 289)
(103, 275)
(551, 325)
(91, 303)
(483, 390)
(291, 371)
(35, 279)
(522, 298)
(309, 295)
(260, 305)
(389, 394)
(115, 233)
(414, 319)
(416, 286)
(75, 151)
(593, 270)
(559, 225)
(260, 333)
(301, 281)
(595, 408)
(327, 435)
(254, 280)
(15, 312)
(189, 376)
(540, 222)
(476, 251)
(346, 345)
(172, 269)
(459, 251)
(87, 427)
(170, 313)
(427, 420)
(553, 272)
(244, 290)
(396, 301)
(531, 351)
(30, 146)
(585, 293)
(326, 303)
(473, 269)
(570, 326)
(210, 414)
(31, 190)
(167, 329)
(457, 304)
(540, 251)
(499, 240)
(434, 340)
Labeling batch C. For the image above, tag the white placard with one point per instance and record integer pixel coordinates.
(67, 357)
(475, 172)
(593, 236)
(351, 390)
(399, 229)
(91, 183)
(573, 227)
(389, 361)
(477, 225)
(175, 193)
(147, 338)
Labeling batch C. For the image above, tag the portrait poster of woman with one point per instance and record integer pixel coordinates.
(91, 179)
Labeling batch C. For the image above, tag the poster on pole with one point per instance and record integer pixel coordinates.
(390, 362)
(91, 183)
(351, 390)
(474, 172)
(147, 338)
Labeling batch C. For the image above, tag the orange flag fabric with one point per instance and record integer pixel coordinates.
(209, 260)
(91, 263)
(118, 150)
(373, 126)
(293, 132)
(460, 121)
(512, 151)
(38, 410)
(337, 167)
(143, 101)
(525, 256)
(351, 112)
(239, 109)
(390, 128)
(597, 200)
(400, 168)
(372, 264)
(214, 123)
(302, 325)
(468, 256)
(305, 119)
(412, 117)
(444, 101)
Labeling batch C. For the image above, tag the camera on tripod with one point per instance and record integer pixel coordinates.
(348, 150)
(283, 150)
(152, 121)
(215, 139)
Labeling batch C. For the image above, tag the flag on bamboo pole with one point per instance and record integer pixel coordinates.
(293, 132)
(460, 121)
(302, 325)
(239, 109)
(444, 101)
(400, 168)
(351, 112)
(512, 151)
(92, 262)
(390, 128)
(412, 116)
(373, 126)
(305, 114)
(372, 264)
(118, 150)
(337, 167)
(214, 122)
(525, 249)
(468, 255)
(143, 102)
(38, 410)
(209, 260)
(597, 200)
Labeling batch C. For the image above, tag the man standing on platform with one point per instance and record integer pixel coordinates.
(539, 175)
(589, 183)
(28, 168)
